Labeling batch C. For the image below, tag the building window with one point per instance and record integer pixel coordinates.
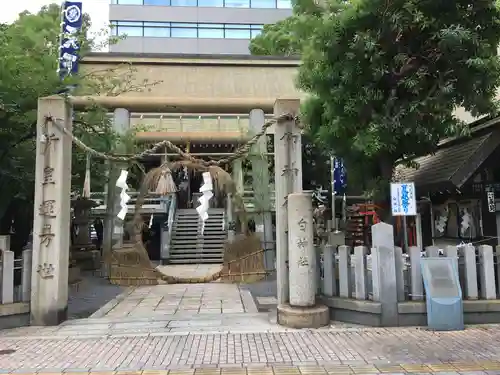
(211, 3)
(284, 4)
(128, 2)
(211, 30)
(186, 30)
(183, 30)
(255, 30)
(127, 28)
(156, 2)
(237, 3)
(268, 4)
(157, 29)
(183, 3)
(236, 32)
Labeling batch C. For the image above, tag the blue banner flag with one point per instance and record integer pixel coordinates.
(339, 176)
(71, 24)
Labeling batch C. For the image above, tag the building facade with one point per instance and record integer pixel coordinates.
(192, 26)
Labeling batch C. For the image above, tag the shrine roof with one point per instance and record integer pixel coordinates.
(453, 163)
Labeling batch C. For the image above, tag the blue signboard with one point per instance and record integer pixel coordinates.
(443, 294)
(72, 20)
(339, 176)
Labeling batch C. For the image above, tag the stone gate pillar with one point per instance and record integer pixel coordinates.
(113, 226)
(261, 188)
(52, 217)
(284, 184)
(302, 310)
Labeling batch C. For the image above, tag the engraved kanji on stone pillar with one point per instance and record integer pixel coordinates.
(51, 226)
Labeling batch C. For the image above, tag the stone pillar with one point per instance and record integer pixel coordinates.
(471, 287)
(26, 275)
(360, 270)
(329, 272)
(295, 152)
(302, 311)
(487, 272)
(282, 189)
(7, 286)
(261, 188)
(416, 283)
(385, 284)
(302, 254)
(345, 279)
(237, 174)
(113, 227)
(52, 216)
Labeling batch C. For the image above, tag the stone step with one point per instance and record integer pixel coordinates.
(195, 261)
(194, 247)
(197, 317)
(208, 226)
(206, 239)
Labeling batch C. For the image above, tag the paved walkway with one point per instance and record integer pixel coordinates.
(365, 351)
(216, 329)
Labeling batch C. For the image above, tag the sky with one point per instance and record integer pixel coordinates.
(97, 9)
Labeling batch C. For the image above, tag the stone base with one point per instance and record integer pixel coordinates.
(303, 317)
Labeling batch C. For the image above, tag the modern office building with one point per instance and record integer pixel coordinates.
(192, 26)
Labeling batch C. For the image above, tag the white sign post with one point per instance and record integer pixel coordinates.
(403, 203)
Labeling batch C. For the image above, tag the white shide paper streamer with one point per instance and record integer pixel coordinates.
(124, 197)
(206, 189)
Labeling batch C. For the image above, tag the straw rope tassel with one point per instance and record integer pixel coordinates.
(166, 183)
(86, 182)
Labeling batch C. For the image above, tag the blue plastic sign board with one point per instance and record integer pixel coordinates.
(443, 294)
(403, 199)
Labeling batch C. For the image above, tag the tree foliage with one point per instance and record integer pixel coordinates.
(28, 63)
(385, 76)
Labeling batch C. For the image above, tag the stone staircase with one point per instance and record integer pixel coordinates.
(188, 245)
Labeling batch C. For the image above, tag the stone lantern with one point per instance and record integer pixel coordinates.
(83, 251)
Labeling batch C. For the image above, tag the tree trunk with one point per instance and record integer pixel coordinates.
(386, 166)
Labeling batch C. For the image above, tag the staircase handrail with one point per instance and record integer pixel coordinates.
(172, 207)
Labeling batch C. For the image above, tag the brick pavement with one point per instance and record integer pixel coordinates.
(354, 350)
(216, 329)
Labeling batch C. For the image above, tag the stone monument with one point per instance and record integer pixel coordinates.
(52, 216)
(302, 310)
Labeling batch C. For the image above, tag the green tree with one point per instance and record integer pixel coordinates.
(28, 62)
(384, 77)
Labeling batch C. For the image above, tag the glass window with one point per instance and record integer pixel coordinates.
(237, 3)
(129, 2)
(129, 30)
(263, 3)
(237, 32)
(210, 30)
(183, 3)
(284, 4)
(256, 33)
(183, 30)
(156, 2)
(157, 31)
(211, 3)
